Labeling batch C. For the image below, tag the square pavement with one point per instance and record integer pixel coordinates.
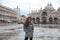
(39, 34)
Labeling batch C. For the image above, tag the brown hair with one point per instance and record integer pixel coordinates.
(27, 22)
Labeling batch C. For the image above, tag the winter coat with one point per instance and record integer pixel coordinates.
(29, 31)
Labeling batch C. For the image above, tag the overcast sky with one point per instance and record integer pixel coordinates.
(27, 5)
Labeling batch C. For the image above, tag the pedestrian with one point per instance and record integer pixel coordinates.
(29, 29)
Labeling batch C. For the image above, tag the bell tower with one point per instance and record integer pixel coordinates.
(17, 9)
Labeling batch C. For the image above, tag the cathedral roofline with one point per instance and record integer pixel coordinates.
(49, 4)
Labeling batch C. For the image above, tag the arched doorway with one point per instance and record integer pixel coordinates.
(55, 20)
(44, 20)
(51, 20)
(33, 20)
(37, 20)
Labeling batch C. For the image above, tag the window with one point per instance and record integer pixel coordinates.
(44, 14)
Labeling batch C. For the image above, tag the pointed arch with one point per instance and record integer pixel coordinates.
(33, 20)
(55, 20)
(44, 20)
(38, 20)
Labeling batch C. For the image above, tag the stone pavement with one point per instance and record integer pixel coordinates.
(39, 34)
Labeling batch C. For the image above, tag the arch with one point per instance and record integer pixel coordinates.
(44, 14)
(38, 20)
(44, 20)
(55, 20)
(33, 20)
(51, 20)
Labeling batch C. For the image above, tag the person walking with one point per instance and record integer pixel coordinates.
(28, 29)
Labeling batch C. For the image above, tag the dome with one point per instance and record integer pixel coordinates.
(49, 7)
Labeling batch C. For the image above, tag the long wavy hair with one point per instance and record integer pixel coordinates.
(26, 24)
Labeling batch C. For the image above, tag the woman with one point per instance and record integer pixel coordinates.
(28, 28)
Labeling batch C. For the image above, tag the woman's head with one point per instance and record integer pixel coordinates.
(28, 20)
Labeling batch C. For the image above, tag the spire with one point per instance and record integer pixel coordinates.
(36, 11)
(17, 6)
(41, 8)
(49, 4)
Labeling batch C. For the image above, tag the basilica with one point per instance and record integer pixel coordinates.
(48, 15)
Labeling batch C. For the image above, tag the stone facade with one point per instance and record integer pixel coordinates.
(8, 15)
(46, 15)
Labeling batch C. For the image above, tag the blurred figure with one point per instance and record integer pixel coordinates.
(28, 29)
